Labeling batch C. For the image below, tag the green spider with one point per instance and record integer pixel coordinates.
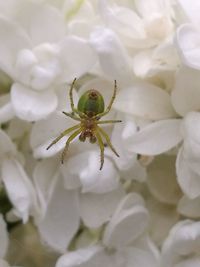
(88, 112)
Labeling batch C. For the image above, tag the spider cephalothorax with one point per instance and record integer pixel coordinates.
(89, 110)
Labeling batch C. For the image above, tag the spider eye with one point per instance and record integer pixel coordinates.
(93, 94)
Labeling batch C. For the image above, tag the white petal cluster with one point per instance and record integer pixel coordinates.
(143, 208)
(181, 246)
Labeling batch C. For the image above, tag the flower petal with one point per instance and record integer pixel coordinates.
(192, 11)
(6, 113)
(162, 219)
(142, 256)
(45, 176)
(90, 257)
(128, 222)
(31, 15)
(32, 105)
(194, 262)
(162, 171)
(61, 220)
(112, 56)
(45, 131)
(96, 181)
(156, 138)
(6, 145)
(70, 175)
(80, 59)
(91, 178)
(96, 209)
(63, 98)
(6, 109)
(19, 188)
(145, 100)
(179, 249)
(189, 207)
(161, 61)
(188, 39)
(143, 63)
(151, 7)
(190, 131)
(188, 180)
(47, 128)
(186, 94)
(18, 128)
(121, 132)
(13, 39)
(125, 22)
(127, 163)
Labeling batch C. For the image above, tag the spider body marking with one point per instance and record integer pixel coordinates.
(89, 111)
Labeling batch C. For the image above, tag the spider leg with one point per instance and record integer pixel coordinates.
(108, 141)
(70, 94)
(109, 121)
(71, 137)
(101, 145)
(110, 104)
(63, 134)
(71, 115)
(72, 101)
(81, 114)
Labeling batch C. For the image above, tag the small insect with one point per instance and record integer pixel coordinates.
(89, 110)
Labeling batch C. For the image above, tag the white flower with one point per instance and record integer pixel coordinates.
(6, 109)
(185, 96)
(156, 137)
(141, 254)
(38, 59)
(113, 57)
(130, 215)
(189, 207)
(145, 100)
(187, 163)
(89, 217)
(142, 26)
(145, 27)
(188, 35)
(90, 177)
(162, 171)
(181, 248)
(160, 62)
(127, 164)
(162, 219)
(159, 137)
(120, 248)
(61, 219)
(63, 205)
(81, 16)
(18, 185)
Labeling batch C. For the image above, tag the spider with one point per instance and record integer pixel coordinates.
(89, 110)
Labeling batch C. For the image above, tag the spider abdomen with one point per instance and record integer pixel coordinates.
(91, 103)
